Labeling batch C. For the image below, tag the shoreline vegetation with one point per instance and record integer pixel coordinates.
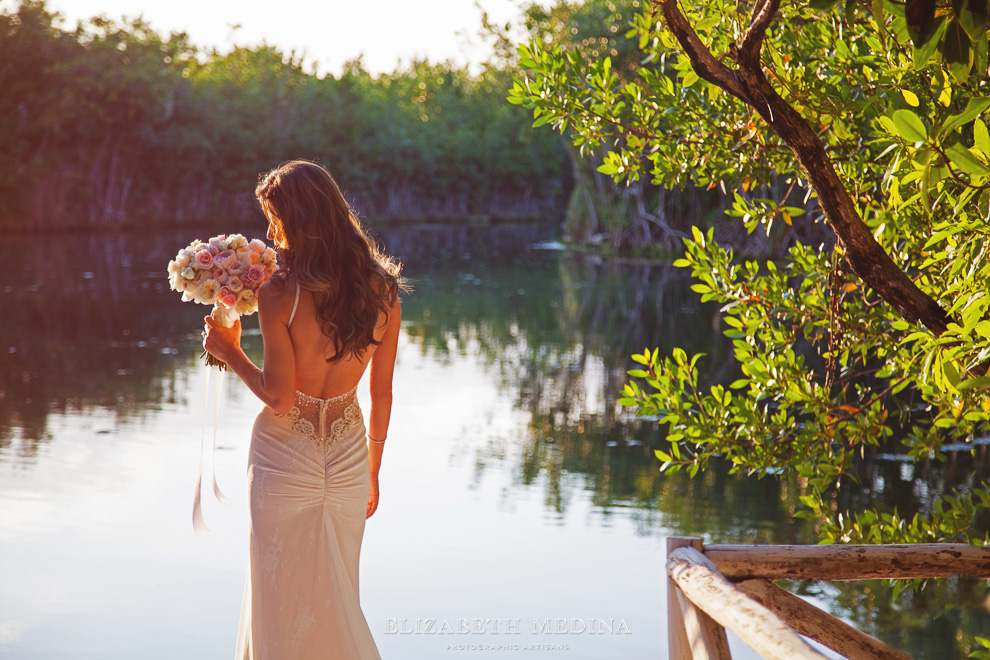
(115, 126)
(111, 124)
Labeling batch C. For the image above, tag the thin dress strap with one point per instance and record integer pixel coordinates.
(294, 305)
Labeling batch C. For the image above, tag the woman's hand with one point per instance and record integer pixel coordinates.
(219, 341)
(372, 496)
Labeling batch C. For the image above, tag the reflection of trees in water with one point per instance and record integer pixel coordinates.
(929, 624)
(557, 330)
(90, 322)
(886, 481)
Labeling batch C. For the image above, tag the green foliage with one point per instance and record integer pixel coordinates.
(114, 122)
(829, 374)
(983, 653)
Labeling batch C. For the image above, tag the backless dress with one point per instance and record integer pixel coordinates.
(307, 481)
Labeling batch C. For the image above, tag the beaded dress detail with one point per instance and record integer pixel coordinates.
(324, 420)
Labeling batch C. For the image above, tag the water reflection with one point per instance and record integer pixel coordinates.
(556, 331)
(92, 331)
(87, 324)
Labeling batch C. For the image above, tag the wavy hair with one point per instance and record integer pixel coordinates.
(325, 246)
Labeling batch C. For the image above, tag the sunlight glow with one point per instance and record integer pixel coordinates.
(387, 33)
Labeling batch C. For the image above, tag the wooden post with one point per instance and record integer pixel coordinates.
(677, 641)
(691, 634)
(760, 628)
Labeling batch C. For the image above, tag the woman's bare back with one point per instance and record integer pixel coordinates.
(315, 374)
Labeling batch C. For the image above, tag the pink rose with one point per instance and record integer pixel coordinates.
(201, 277)
(225, 259)
(255, 275)
(204, 259)
(221, 276)
(236, 269)
(227, 297)
(257, 246)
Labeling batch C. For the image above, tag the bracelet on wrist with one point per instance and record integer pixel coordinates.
(381, 442)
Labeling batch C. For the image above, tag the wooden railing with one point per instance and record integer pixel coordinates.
(711, 588)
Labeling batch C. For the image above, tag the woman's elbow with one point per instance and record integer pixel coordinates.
(281, 406)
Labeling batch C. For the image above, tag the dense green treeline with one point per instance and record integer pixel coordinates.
(113, 123)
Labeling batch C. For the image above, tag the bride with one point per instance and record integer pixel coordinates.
(330, 311)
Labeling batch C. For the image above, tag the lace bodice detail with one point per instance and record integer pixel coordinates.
(324, 420)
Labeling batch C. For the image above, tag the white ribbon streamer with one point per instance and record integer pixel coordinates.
(199, 523)
(216, 424)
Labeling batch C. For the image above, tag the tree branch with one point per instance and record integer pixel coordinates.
(752, 42)
(702, 61)
(749, 84)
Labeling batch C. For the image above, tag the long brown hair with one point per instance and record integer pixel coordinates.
(326, 248)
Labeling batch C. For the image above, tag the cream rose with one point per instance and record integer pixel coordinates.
(208, 292)
(235, 284)
(246, 303)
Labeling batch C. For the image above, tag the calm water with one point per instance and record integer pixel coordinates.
(514, 489)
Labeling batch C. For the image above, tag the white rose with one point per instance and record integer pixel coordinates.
(189, 272)
(208, 292)
(236, 242)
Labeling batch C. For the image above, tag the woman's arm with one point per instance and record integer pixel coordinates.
(275, 383)
(382, 366)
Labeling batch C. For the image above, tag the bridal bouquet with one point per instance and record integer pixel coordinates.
(226, 272)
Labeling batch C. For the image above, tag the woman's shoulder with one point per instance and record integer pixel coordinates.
(276, 291)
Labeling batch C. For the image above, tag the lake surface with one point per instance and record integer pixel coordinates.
(514, 490)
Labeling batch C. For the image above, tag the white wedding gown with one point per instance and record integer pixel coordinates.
(308, 491)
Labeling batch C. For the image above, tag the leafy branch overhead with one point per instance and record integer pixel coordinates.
(873, 116)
